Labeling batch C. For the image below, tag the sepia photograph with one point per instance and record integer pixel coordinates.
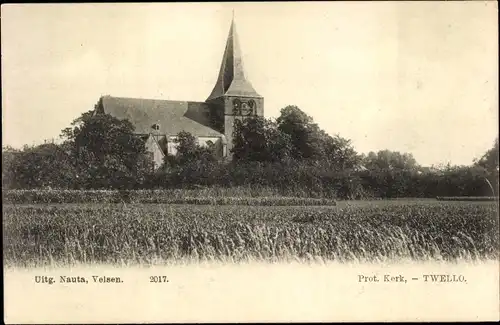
(250, 162)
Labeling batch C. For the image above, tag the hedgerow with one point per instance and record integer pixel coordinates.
(150, 196)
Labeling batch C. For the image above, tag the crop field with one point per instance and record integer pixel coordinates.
(467, 198)
(151, 234)
(204, 196)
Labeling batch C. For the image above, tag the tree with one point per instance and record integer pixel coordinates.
(189, 151)
(106, 151)
(311, 143)
(9, 159)
(489, 160)
(192, 163)
(390, 160)
(46, 165)
(489, 163)
(259, 139)
(305, 135)
(340, 153)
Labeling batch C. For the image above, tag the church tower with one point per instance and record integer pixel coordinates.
(233, 96)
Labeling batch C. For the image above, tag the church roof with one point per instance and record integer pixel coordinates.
(232, 80)
(170, 116)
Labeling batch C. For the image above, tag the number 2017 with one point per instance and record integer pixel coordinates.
(158, 278)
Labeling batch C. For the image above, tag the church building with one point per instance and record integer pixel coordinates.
(211, 121)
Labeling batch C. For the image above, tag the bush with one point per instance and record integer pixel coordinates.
(319, 179)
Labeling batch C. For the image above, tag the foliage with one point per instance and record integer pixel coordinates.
(319, 179)
(46, 165)
(106, 152)
(489, 160)
(259, 139)
(145, 234)
(310, 143)
(390, 160)
(340, 153)
(9, 158)
(189, 151)
(304, 133)
(292, 156)
(294, 136)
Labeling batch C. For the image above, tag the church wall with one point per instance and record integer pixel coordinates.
(172, 146)
(216, 143)
(229, 106)
(230, 116)
(155, 152)
(228, 131)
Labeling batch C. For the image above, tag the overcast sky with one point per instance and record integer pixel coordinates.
(412, 77)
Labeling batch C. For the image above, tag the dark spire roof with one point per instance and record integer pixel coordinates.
(231, 80)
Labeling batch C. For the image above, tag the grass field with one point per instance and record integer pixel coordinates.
(361, 231)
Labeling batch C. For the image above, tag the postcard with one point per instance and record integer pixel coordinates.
(250, 162)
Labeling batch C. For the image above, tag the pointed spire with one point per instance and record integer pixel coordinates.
(232, 80)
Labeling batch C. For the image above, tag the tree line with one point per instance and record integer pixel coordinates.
(291, 154)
